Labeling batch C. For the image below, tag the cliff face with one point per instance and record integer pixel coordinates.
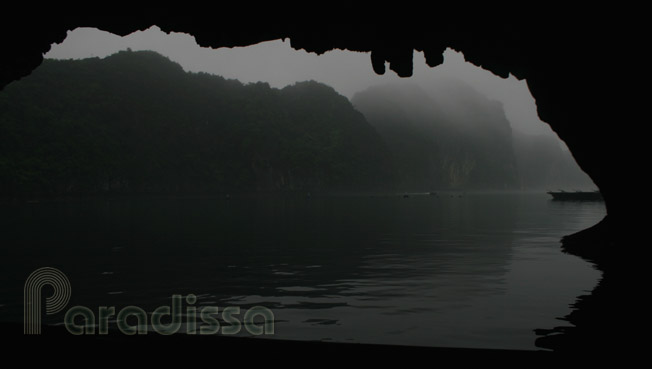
(559, 56)
(135, 122)
(544, 165)
(459, 140)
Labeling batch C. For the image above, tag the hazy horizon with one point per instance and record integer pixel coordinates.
(276, 63)
(172, 189)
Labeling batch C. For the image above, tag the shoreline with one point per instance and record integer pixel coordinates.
(57, 345)
(607, 318)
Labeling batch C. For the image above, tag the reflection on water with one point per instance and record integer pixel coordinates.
(480, 270)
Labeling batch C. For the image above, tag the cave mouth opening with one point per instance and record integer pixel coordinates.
(495, 270)
(543, 160)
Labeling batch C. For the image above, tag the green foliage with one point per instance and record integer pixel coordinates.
(135, 122)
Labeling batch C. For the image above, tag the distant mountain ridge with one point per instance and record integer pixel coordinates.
(453, 137)
(135, 122)
(436, 146)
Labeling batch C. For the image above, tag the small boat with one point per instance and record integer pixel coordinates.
(576, 195)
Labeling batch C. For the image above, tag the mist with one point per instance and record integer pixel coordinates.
(539, 160)
(355, 207)
(276, 63)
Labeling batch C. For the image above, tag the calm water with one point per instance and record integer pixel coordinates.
(481, 270)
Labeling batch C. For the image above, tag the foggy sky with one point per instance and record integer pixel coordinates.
(278, 64)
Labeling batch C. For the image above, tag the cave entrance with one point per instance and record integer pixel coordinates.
(462, 91)
(430, 262)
